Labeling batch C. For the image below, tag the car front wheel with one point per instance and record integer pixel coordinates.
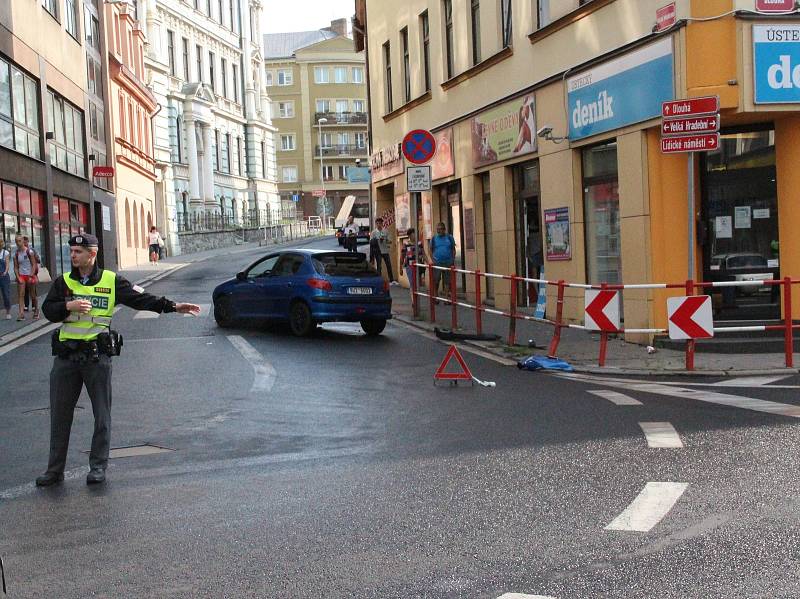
(222, 312)
(300, 320)
(373, 328)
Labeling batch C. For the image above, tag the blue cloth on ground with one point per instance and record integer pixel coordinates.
(544, 363)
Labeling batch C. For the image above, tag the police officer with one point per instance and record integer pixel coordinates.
(83, 301)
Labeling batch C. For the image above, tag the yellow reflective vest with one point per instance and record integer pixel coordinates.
(86, 327)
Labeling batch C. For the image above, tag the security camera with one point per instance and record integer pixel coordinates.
(544, 131)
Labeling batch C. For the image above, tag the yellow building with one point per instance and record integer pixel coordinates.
(548, 117)
(317, 84)
(132, 105)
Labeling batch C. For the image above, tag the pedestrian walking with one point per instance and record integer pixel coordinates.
(26, 240)
(26, 269)
(350, 235)
(382, 243)
(412, 252)
(5, 277)
(83, 300)
(443, 253)
(155, 243)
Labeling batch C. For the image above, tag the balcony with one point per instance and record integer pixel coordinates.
(341, 118)
(340, 150)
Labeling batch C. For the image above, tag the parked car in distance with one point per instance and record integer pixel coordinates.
(742, 266)
(304, 288)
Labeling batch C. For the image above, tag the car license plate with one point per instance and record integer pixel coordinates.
(359, 290)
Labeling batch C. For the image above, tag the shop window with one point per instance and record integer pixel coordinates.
(66, 148)
(601, 212)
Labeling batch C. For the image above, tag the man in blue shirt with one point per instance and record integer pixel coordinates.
(443, 252)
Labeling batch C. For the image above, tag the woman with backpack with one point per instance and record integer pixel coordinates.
(26, 269)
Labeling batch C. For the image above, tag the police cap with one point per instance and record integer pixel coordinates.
(86, 240)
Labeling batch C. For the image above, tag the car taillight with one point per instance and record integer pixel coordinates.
(386, 286)
(320, 284)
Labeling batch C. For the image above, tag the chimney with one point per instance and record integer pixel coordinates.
(339, 27)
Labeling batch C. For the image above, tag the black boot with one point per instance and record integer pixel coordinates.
(48, 479)
(96, 476)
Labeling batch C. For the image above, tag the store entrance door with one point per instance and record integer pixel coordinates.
(739, 228)
(530, 256)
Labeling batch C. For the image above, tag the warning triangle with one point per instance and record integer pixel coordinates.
(464, 375)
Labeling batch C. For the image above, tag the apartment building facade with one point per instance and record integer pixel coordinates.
(213, 138)
(52, 128)
(318, 86)
(548, 114)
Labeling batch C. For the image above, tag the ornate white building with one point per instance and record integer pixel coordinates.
(213, 134)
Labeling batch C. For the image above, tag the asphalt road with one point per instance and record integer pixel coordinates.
(332, 467)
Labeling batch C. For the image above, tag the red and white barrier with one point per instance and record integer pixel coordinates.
(591, 324)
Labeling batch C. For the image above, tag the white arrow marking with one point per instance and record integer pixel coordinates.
(649, 508)
(661, 435)
(750, 381)
(265, 373)
(614, 397)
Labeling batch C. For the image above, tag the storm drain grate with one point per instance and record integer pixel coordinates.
(136, 450)
(35, 410)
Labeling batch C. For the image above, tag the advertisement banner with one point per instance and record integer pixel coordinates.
(402, 213)
(504, 132)
(627, 90)
(443, 164)
(358, 174)
(776, 63)
(557, 234)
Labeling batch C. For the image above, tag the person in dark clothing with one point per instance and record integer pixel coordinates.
(83, 301)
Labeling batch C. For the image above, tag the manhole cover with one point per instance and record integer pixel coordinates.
(136, 450)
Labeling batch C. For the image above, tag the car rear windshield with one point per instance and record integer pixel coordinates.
(749, 261)
(343, 265)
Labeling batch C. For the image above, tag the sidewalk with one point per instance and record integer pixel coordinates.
(11, 330)
(581, 349)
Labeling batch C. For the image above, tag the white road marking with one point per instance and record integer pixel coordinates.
(619, 399)
(30, 487)
(649, 508)
(204, 311)
(265, 373)
(735, 401)
(750, 381)
(661, 434)
(22, 341)
(733, 382)
(523, 596)
(145, 315)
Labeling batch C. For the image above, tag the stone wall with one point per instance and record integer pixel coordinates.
(201, 241)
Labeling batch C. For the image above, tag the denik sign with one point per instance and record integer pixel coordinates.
(772, 6)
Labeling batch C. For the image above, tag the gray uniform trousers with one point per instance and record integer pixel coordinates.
(67, 377)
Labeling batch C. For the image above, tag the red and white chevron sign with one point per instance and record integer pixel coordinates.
(690, 317)
(602, 310)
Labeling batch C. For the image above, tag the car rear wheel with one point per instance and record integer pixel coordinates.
(222, 312)
(373, 328)
(300, 320)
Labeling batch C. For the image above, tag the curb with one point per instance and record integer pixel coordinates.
(617, 371)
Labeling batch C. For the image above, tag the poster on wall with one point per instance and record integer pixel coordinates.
(427, 214)
(402, 213)
(558, 242)
(741, 217)
(106, 218)
(723, 227)
(504, 132)
(469, 228)
(443, 164)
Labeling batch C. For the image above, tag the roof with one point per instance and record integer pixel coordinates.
(284, 45)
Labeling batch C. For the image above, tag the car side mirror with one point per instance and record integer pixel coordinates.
(240, 276)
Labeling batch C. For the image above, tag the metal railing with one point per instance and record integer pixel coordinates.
(212, 220)
(341, 118)
(341, 150)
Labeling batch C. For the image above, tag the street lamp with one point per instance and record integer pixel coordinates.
(320, 122)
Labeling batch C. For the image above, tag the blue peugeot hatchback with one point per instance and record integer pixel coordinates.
(304, 288)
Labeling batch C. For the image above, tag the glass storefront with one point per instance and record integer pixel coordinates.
(601, 211)
(69, 218)
(738, 230)
(22, 213)
(450, 215)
